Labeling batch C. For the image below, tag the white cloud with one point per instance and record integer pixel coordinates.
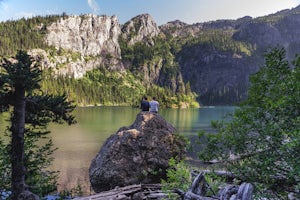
(94, 6)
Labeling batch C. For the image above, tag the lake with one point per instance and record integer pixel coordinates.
(78, 144)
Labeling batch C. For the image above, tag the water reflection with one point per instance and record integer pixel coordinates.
(78, 144)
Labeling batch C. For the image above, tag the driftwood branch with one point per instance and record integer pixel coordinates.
(197, 191)
(199, 188)
(150, 191)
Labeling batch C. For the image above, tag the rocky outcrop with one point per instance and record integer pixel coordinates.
(95, 37)
(62, 65)
(141, 28)
(180, 29)
(136, 154)
(88, 34)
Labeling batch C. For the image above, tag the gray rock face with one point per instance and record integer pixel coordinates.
(89, 35)
(141, 28)
(180, 29)
(260, 34)
(75, 68)
(136, 154)
(94, 37)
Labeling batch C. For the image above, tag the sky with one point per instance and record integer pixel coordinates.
(163, 11)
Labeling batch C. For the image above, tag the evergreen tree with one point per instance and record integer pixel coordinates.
(31, 110)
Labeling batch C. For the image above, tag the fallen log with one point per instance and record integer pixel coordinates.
(199, 188)
(245, 191)
(140, 191)
(191, 196)
(197, 191)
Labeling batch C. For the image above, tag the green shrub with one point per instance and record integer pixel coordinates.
(263, 135)
(178, 177)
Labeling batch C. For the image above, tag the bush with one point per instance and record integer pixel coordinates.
(178, 177)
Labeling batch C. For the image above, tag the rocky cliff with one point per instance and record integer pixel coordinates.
(89, 35)
(141, 28)
(220, 73)
(95, 38)
(215, 58)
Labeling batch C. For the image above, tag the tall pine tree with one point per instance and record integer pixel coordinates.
(20, 94)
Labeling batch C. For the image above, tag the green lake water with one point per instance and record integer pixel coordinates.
(78, 144)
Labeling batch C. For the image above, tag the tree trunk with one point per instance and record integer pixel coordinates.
(17, 154)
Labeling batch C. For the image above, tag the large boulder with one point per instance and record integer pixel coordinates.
(136, 154)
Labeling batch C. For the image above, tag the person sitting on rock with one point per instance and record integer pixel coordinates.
(154, 105)
(145, 104)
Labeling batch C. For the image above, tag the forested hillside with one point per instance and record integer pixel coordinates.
(24, 34)
(97, 85)
(95, 60)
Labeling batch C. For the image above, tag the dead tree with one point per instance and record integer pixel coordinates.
(200, 187)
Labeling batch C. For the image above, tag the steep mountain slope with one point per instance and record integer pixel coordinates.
(222, 54)
(213, 59)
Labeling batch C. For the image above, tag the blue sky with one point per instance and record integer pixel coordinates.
(163, 11)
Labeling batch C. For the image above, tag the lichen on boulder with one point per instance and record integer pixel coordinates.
(136, 154)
